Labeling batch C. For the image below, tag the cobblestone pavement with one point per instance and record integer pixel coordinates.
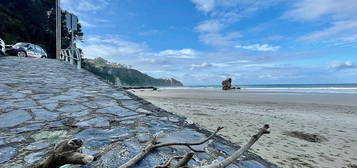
(43, 102)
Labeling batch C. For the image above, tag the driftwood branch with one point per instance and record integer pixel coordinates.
(226, 162)
(181, 163)
(168, 163)
(152, 145)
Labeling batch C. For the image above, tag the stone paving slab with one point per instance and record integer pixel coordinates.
(43, 102)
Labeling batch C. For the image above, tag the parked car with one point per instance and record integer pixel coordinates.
(2, 47)
(27, 50)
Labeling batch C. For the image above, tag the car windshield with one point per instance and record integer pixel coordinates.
(21, 45)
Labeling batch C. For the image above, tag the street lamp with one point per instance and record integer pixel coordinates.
(58, 29)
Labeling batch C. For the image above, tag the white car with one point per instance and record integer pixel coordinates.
(26, 50)
(2, 46)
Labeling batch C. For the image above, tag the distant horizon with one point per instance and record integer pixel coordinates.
(200, 42)
(280, 84)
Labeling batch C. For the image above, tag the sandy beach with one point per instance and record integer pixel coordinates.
(307, 130)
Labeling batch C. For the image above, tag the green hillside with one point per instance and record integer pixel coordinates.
(119, 74)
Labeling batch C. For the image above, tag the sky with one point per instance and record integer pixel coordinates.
(202, 42)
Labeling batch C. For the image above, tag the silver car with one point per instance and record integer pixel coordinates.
(27, 50)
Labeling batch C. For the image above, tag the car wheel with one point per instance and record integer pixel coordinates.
(43, 56)
(21, 54)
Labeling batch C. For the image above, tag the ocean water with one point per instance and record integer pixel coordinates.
(289, 88)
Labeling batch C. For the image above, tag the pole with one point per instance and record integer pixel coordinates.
(72, 47)
(58, 29)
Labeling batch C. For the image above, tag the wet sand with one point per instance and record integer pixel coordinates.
(329, 118)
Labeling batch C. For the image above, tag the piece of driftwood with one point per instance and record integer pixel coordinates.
(139, 87)
(153, 144)
(226, 162)
(67, 152)
(181, 163)
(222, 164)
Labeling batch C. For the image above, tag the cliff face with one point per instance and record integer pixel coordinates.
(119, 74)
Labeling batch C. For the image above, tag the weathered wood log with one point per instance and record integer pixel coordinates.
(139, 87)
(67, 152)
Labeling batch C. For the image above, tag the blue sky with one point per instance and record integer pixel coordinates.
(202, 42)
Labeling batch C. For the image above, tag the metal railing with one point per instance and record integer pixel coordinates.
(72, 55)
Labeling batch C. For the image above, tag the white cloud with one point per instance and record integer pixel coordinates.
(207, 65)
(205, 5)
(199, 66)
(210, 34)
(231, 10)
(90, 6)
(223, 13)
(239, 62)
(259, 47)
(340, 29)
(267, 76)
(82, 7)
(209, 26)
(220, 65)
(86, 24)
(102, 20)
(149, 32)
(338, 65)
(340, 14)
(220, 39)
(109, 47)
(148, 60)
(79, 6)
(315, 9)
(185, 53)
